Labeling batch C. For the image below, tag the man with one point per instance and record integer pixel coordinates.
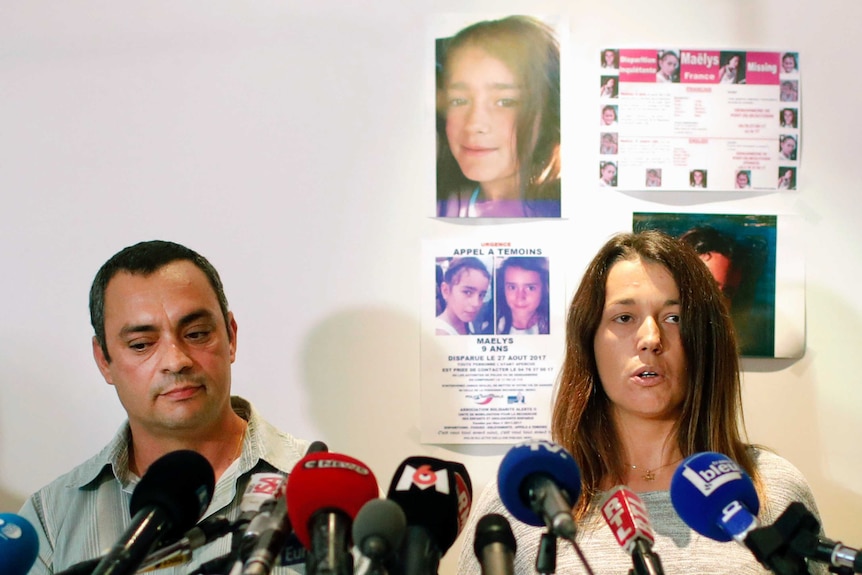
(165, 339)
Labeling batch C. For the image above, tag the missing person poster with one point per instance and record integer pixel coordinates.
(698, 120)
(492, 339)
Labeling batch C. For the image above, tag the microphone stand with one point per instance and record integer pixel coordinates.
(645, 561)
(546, 559)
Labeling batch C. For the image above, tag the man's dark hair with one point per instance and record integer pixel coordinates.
(145, 258)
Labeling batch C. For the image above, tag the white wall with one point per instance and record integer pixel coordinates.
(289, 143)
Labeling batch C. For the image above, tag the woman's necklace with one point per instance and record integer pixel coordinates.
(649, 474)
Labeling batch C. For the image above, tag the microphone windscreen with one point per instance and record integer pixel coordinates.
(525, 459)
(434, 494)
(383, 519)
(19, 544)
(327, 482)
(317, 446)
(181, 483)
(493, 528)
(702, 487)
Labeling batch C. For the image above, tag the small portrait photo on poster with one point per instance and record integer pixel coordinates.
(789, 63)
(697, 178)
(732, 70)
(740, 252)
(609, 144)
(607, 175)
(464, 302)
(743, 180)
(788, 118)
(609, 87)
(789, 91)
(786, 178)
(608, 117)
(498, 120)
(787, 147)
(610, 59)
(667, 66)
(523, 300)
(653, 178)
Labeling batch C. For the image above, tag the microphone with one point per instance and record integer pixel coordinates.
(169, 499)
(325, 491)
(495, 545)
(204, 532)
(19, 544)
(436, 496)
(626, 515)
(807, 543)
(539, 483)
(714, 496)
(378, 531)
(272, 539)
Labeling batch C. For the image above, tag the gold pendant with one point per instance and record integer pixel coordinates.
(649, 475)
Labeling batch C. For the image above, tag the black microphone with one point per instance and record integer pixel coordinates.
(436, 496)
(378, 531)
(168, 501)
(805, 540)
(495, 545)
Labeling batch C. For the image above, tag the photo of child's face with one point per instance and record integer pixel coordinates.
(523, 289)
(482, 101)
(464, 298)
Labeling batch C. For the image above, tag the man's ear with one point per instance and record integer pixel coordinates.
(231, 329)
(101, 361)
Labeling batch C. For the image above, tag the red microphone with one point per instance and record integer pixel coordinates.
(626, 515)
(325, 491)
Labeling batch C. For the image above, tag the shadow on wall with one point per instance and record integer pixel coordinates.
(10, 502)
(806, 416)
(361, 370)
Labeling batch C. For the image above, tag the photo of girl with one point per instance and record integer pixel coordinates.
(464, 288)
(523, 301)
(498, 102)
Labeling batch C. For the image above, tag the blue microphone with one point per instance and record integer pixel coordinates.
(539, 483)
(715, 497)
(19, 544)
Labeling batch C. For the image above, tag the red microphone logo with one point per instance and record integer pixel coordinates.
(627, 517)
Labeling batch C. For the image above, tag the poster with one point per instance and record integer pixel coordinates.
(492, 339)
(698, 120)
(497, 117)
(757, 264)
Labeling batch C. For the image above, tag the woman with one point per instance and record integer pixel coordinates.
(650, 376)
(608, 87)
(464, 287)
(523, 300)
(499, 104)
